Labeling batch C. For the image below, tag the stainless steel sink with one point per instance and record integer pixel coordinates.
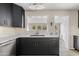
(37, 35)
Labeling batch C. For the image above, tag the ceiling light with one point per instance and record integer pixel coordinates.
(36, 6)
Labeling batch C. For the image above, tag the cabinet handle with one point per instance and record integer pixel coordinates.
(4, 21)
(35, 43)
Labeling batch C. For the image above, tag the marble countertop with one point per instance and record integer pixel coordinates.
(13, 37)
(5, 39)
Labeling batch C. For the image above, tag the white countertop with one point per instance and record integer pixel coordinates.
(5, 39)
(13, 37)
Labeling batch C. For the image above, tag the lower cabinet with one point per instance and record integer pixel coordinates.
(37, 46)
(76, 42)
(54, 46)
(7, 49)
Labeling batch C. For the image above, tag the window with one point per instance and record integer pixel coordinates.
(37, 23)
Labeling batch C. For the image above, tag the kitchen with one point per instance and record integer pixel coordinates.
(49, 25)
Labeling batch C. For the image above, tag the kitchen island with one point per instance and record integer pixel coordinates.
(37, 46)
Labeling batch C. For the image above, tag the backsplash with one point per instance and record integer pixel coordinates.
(7, 31)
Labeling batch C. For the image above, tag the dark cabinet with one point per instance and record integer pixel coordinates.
(54, 46)
(11, 15)
(2, 15)
(78, 18)
(28, 47)
(37, 46)
(76, 42)
(17, 16)
(42, 46)
(5, 14)
(8, 15)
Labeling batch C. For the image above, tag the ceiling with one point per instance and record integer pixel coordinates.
(53, 6)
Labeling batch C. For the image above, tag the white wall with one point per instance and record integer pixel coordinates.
(73, 20)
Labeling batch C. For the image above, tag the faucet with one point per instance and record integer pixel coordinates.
(37, 33)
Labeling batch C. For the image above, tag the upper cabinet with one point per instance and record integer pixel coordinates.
(78, 18)
(17, 16)
(11, 15)
(5, 14)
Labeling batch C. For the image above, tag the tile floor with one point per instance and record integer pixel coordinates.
(72, 53)
(64, 52)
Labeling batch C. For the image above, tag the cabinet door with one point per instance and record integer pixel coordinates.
(78, 18)
(16, 16)
(5, 14)
(8, 16)
(28, 46)
(76, 42)
(42, 45)
(54, 46)
(2, 14)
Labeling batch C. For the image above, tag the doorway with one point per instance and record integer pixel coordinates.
(64, 32)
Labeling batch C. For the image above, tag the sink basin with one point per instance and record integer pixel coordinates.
(37, 35)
